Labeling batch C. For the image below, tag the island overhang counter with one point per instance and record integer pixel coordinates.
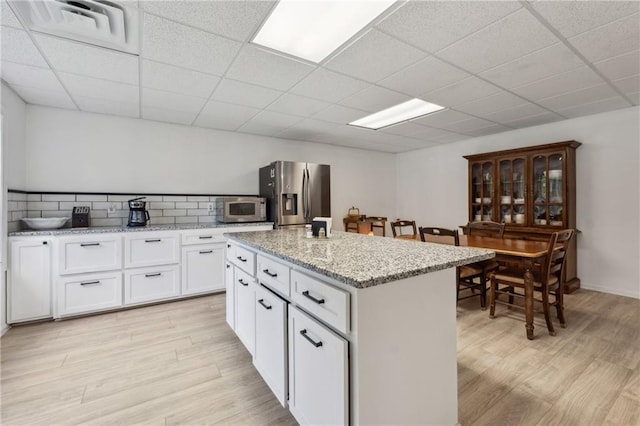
(392, 304)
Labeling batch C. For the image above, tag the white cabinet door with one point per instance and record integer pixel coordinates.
(245, 309)
(203, 268)
(89, 292)
(318, 372)
(151, 248)
(89, 253)
(29, 280)
(274, 274)
(231, 295)
(147, 284)
(270, 352)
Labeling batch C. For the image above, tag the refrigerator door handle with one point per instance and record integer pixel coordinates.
(304, 195)
(308, 194)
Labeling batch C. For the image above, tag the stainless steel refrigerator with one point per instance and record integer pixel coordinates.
(295, 192)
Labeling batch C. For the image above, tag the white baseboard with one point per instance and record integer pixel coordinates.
(610, 290)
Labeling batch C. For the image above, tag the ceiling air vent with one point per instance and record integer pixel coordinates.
(98, 22)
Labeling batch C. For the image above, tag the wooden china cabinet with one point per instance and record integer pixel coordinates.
(532, 190)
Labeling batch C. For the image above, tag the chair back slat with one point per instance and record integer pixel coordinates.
(398, 226)
(447, 236)
(485, 229)
(555, 260)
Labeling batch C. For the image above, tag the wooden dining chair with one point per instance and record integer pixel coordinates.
(485, 229)
(378, 223)
(547, 280)
(400, 228)
(467, 276)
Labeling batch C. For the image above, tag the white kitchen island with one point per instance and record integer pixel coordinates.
(353, 329)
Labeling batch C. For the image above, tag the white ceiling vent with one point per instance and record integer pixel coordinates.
(98, 22)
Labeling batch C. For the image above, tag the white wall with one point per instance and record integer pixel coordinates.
(12, 172)
(432, 188)
(84, 152)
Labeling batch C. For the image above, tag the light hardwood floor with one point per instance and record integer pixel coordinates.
(179, 363)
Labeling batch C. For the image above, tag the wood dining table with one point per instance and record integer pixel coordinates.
(523, 252)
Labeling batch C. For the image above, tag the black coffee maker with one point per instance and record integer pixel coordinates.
(138, 215)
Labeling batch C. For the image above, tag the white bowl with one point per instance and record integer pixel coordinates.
(45, 222)
(555, 174)
(476, 200)
(486, 200)
(518, 200)
(505, 199)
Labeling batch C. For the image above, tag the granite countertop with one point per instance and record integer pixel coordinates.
(360, 260)
(111, 229)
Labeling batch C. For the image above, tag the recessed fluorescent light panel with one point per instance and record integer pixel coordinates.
(312, 29)
(397, 114)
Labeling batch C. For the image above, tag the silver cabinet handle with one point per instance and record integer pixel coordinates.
(90, 282)
(206, 251)
(205, 237)
(157, 274)
(89, 244)
(152, 241)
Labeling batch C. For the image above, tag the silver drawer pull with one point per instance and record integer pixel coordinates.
(271, 274)
(157, 274)
(308, 296)
(241, 281)
(206, 251)
(205, 237)
(152, 241)
(89, 244)
(313, 342)
(241, 259)
(90, 282)
(267, 307)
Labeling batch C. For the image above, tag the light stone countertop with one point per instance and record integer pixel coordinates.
(112, 229)
(360, 260)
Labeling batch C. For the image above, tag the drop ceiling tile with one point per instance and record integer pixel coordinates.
(307, 130)
(176, 44)
(435, 25)
(8, 17)
(441, 118)
(614, 39)
(535, 120)
(90, 61)
(408, 128)
(233, 19)
(570, 81)
(17, 47)
(514, 113)
(95, 88)
(602, 105)
(340, 114)
(257, 66)
(297, 105)
(489, 130)
(629, 84)
(430, 133)
(468, 125)
(635, 98)
(156, 75)
(268, 123)
(374, 99)
(535, 66)
(220, 115)
(620, 66)
(503, 41)
(38, 96)
(28, 76)
(579, 97)
(461, 92)
(575, 17)
(328, 86)
(101, 106)
(490, 104)
(362, 58)
(449, 138)
(172, 101)
(237, 92)
(168, 115)
(425, 76)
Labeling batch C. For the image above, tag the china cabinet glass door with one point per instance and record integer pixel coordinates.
(548, 190)
(512, 177)
(482, 191)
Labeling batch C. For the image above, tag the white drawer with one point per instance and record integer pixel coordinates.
(89, 254)
(244, 259)
(202, 236)
(147, 284)
(152, 248)
(328, 303)
(89, 292)
(273, 274)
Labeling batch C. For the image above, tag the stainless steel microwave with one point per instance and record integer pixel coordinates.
(242, 209)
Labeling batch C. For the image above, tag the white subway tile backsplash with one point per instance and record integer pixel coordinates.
(174, 212)
(106, 222)
(33, 213)
(162, 220)
(17, 215)
(69, 205)
(16, 196)
(91, 197)
(55, 213)
(187, 205)
(34, 197)
(198, 198)
(162, 205)
(149, 198)
(175, 198)
(119, 213)
(98, 214)
(58, 197)
(100, 205)
(206, 219)
(187, 219)
(12, 205)
(120, 198)
(197, 212)
(22, 205)
(152, 213)
(43, 205)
